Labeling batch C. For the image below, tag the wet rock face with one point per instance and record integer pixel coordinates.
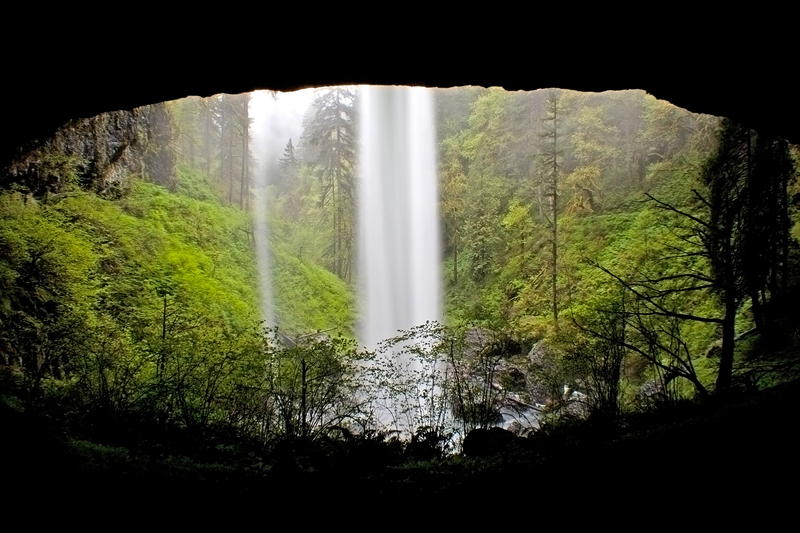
(100, 153)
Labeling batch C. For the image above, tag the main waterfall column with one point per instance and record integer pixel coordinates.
(400, 258)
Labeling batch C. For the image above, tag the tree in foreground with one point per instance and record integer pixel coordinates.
(735, 237)
(745, 233)
(551, 169)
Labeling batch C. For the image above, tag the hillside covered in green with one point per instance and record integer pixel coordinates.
(143, 304)
(617, 233)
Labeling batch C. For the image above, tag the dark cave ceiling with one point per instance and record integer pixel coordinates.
(739, 72)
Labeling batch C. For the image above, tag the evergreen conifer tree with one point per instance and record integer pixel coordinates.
(330, 133)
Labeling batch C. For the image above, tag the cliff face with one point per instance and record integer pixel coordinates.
(99, 153)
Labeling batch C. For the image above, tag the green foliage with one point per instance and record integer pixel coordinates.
(309, 297)
(61, 172)
(331, 137)
(311, 387)
(612, 148)
(195, 184)
(103, 290)
(485, 145)
(46, 280)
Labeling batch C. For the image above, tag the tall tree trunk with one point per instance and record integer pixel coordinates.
(191, 153)
(726, 358)
(455, 260)
(725, 374)
(785, 227)
(222, 127)
(555, 215)
(243, 188)
(230, 167)
(207, 139)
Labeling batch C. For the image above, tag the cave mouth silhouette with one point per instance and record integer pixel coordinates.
(701, 74)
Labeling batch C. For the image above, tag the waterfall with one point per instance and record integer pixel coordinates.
(399, 269)
(398, 212)
(399, 263)
(260, 113)
(275, 119)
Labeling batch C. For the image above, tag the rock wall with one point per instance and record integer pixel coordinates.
(100, 153)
